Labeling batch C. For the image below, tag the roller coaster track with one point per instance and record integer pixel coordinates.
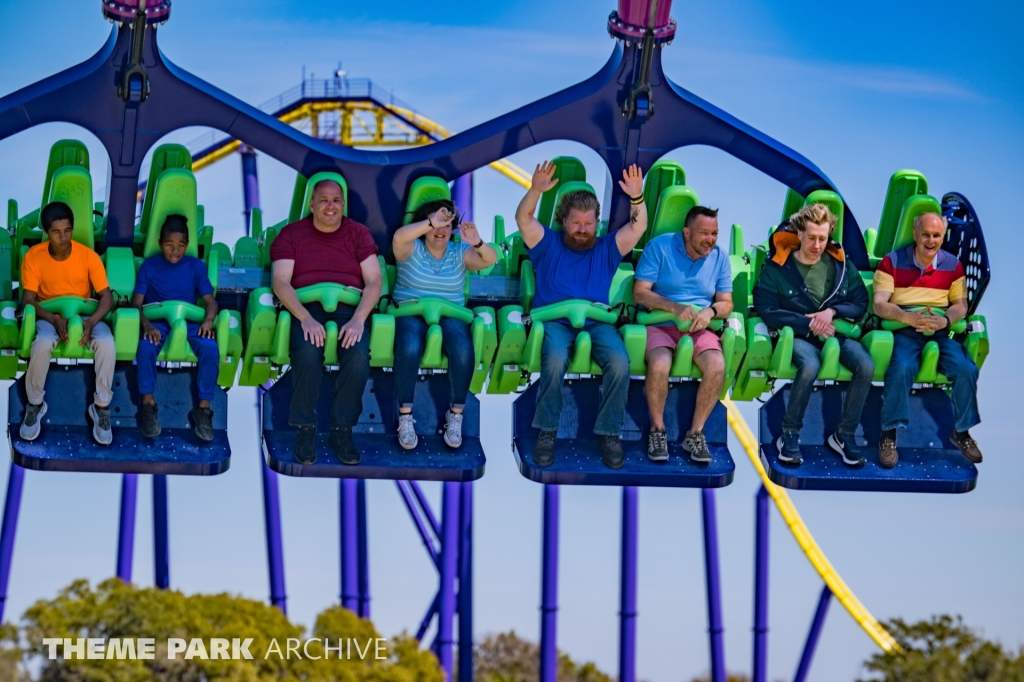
(394, 123)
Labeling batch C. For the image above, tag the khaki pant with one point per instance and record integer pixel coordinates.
(101, 343)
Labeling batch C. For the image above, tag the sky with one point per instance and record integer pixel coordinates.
(861, 89)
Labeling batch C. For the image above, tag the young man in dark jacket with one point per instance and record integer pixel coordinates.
(806, 283)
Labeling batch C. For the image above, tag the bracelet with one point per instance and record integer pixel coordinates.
(430, 223)
(478, 244)
(636, 200)
(714, 309)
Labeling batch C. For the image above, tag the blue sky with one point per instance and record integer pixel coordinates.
(861, 89)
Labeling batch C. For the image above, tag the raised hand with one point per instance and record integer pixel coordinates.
(442, 217)
(543, 177)
(469, 233)
(632, 182)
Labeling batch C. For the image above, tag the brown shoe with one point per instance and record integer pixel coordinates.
(887, 455)
(967, 445)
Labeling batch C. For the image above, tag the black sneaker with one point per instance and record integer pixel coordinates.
(544, 451)
(305, 445)
(202, 418)
(846, 447)
(657, 446)
(149, 422)
(968, 446)
(611, 452)
(789, 448)
(697, 445)
(343, 445)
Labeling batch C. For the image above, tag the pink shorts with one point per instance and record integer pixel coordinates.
(668, 337)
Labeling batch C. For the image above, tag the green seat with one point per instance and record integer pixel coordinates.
(913, 207)
(424, 190)
(124, 323)
(560, 190)
(73, 186)
(674, 204)
(662, 175)
(173, 193)
(247, 253)
(9, 338)
(903, 185)
(307, 195)
(835, 205)
(794, 202)
(176, 348)
(165, 157)
(567, 169)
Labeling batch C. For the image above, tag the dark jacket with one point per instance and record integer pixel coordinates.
(781, 297)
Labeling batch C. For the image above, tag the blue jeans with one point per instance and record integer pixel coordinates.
(854, 357)
(457, 344)
(206, 353)
(906, 363)
(308, 368)
(610, 354)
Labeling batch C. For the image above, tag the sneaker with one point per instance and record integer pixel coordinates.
(611, 452)
(407, 437)
(343, 445)
(101, 424)
(789, 448)
(846, 447)
(887, 455)
(697, 445)
(32, 422)
(202, 417)
(453, 429)
(148, 420)
(544, 453)
(657, 446)
(305, 445)
(962, 439)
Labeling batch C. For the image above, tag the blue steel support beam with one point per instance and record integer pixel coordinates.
(812, 637)
(428, 513)
(161, 536)
(714, 589)
(12, 505)
(250, 183)
(466, 582)
(627, 587)
(364, 551)
(761, 524)
(126, 526)
(549, 588)
(272, 518)
(449, 564)
(428, 543)
(348, 505)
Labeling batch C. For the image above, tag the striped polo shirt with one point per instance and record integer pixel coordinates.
(938, 285)
(422, 275)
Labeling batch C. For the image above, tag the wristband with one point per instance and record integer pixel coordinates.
(430, 223)
(478, 244)
(714, 309)
(636, 200)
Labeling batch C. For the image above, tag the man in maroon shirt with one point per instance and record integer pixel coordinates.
(327, 246)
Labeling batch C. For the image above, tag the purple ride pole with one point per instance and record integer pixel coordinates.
(15, 483)
(364, 559)
(250, 183)
(161, 539)
(812, 637)
(271, 517)
(627, 586)
(761, 521)
(713, 586)
(462, 196)
(126, 526)
(449, 560)
(549, 588)
(465, 597)
(349, 544)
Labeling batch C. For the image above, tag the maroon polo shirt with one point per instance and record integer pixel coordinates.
(324, 256)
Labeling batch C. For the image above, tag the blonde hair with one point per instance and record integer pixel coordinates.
(580, 200)
(813, 213)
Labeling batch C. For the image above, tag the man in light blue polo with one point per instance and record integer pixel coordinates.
(687, 275)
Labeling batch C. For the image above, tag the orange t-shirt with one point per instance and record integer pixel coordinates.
(51, 278)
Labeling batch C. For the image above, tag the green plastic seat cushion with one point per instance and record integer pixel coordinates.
(424, 190)
(174, 193)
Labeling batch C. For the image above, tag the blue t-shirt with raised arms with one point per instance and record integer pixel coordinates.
(160, 280)
(563, 273)
(680, 278)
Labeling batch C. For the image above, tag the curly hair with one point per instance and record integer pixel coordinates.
(819, 214)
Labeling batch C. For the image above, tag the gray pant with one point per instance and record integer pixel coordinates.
(101, 343)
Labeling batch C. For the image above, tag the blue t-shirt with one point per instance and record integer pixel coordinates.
(563, 274)
(160, 280)
(680, 278)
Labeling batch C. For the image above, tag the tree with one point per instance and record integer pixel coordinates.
(506, 657)
(943, 649)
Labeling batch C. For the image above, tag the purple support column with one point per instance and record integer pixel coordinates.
(761, 521)
(466, 582)
(462, 195)
(15, 482)
(271, 518)
(449, 561)
(126, 526)
(250, 183)
(161, 539)
(715, 628)
(812, 637)
(349, 544)
(364, 558)
(627, 587)
(549, 588)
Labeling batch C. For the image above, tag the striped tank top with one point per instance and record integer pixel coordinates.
(423, 275)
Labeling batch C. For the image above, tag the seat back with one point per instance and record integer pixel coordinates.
(902, 185)
(165, 157)
(560, 191)
(424, 190)
(174, 192)
(670, 213)
(73, 186)
(834, 203)
(307, 194)
(913, 207)
(621, 290)
(64, 153)
(794, 201)
(662, 175)
(567, 169)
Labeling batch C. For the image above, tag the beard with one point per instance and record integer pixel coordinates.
(579, 241)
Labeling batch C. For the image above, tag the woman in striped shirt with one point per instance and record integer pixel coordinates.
(430, 264)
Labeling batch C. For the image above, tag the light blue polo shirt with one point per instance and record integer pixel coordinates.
(678, 277)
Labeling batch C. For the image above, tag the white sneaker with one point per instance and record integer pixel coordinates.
(32, 422)
(407, 437)
(101, 424)
(453, 429)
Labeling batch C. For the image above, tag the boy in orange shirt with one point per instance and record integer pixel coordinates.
(56, 267)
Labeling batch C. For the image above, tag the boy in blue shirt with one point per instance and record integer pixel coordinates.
(174, 276)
